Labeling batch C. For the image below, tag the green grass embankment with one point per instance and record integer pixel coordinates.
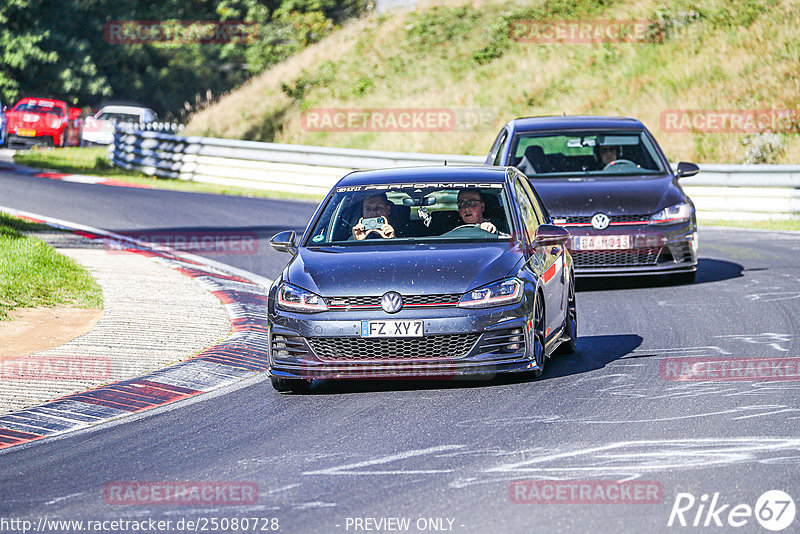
(466, 57)
(33, 274)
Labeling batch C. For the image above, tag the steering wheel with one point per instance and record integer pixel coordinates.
(374, 234)
(620, 163)
(476, 226)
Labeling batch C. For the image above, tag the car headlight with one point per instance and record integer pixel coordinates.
(682, 211)
(293, 298)
(55, 123)
(496, 294)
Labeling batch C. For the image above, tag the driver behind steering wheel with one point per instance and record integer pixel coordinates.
(606, 154)
(471, 207)
(377, 205)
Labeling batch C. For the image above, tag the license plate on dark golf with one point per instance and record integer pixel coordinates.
(391, 328)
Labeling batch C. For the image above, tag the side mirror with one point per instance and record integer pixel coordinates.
(686, 169)
(550, 234)
(74, 113)
(284, 242)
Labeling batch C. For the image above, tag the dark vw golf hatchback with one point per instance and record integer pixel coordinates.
(422, 272)
(608, 182)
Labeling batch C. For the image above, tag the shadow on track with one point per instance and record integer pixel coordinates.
(708, 271)
(594, 352)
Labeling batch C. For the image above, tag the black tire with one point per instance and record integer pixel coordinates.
(290, 385)
(684, 278)
(538, 339)
(570, 322)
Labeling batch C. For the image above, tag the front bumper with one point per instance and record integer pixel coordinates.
(98, 138)
(456, 343)
(655, 250)
(40, 139)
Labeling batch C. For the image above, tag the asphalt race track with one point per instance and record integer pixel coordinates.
(447, 454)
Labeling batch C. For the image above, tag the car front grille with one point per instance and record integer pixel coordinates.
(416, 348)
(613, 258)
(587, 219)
(433, 301)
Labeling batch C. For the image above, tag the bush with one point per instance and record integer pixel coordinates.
(307, 80)
(497, 37)
(666, 24)
(438, 26)
(762, 148)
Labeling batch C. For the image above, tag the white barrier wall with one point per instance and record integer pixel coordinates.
(719, 191)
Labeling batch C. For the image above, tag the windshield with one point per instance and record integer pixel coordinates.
(32, 107)
(585, 153)
(410, 213)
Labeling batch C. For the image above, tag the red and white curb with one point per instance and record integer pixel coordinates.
(85, 179)
(243, 354)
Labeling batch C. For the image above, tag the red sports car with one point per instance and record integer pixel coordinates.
(44, 121)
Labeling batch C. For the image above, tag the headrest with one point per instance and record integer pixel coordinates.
(534, 153)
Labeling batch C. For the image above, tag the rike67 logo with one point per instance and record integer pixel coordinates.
(774, 510)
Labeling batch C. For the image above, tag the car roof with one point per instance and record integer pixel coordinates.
(573, 122)
(436, 173)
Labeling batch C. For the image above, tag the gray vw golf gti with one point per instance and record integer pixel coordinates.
(608, 182)
(435, 272)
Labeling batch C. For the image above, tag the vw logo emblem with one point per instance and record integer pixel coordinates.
(600, 221)
(391, 302)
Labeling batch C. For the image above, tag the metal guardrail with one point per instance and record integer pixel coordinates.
(164, 127)
(275, 166)
(720, 191)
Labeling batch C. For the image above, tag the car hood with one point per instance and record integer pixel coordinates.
(18, 115)
(99, 124)
(408, 269)
(99, 127)
(614, 196)
(39, 119)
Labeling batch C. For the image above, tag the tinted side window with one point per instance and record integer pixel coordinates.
(537, 206)
(529, 217)
(501, 147)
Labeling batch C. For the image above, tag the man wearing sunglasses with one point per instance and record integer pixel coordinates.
(471, 207)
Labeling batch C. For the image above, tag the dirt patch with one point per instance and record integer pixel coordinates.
(36, 329)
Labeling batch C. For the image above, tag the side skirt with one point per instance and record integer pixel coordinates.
(557, 339)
